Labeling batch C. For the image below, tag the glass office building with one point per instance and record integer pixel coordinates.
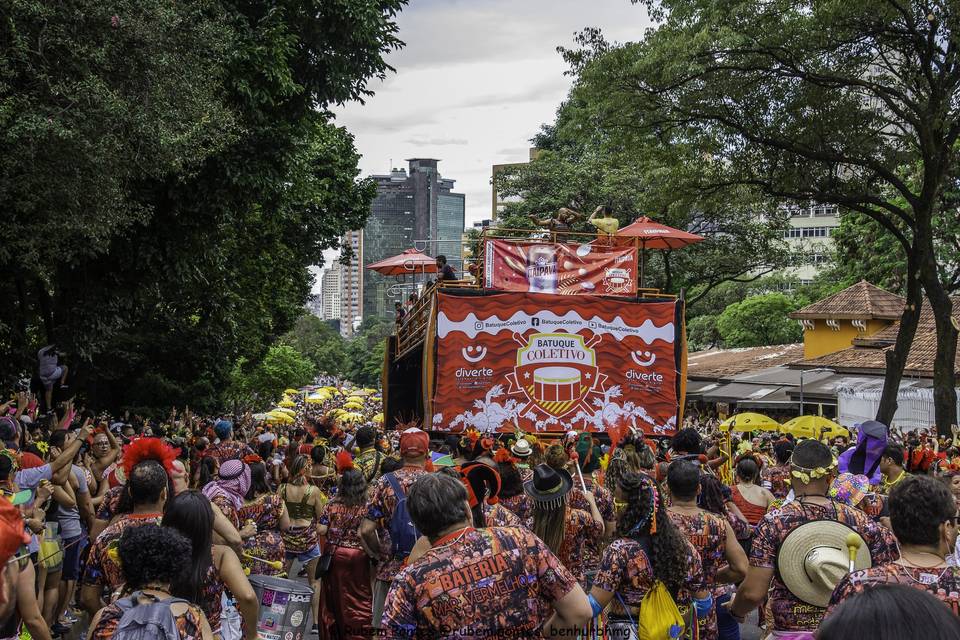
(415, 209)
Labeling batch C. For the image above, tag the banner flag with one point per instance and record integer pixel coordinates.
(564, 269)
(550, 363)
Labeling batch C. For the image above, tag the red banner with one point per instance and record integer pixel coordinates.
(549, 363)
(565, 269)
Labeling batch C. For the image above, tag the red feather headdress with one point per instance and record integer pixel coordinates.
(503, 455)
(344, 461)
(148, 449)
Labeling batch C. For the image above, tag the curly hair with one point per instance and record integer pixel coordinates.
(668, 550)
(511, 483)
(687, 441)
(918, 506)
(153, 554)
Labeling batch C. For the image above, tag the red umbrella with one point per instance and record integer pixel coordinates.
(410, 261)
(653, 235)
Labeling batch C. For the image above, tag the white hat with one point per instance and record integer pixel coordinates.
(521, 448)
(815, 556)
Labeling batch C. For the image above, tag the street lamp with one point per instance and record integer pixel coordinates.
(802, 371)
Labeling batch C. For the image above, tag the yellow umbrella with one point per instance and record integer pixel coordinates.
(749, 422)
(287, 404)
(292, 392)
(355, 399)
(378, 418)
(285, 411)
(356, 406)
(813, 427)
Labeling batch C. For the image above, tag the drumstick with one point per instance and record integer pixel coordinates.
(273, 564)
(575, 456)
(853, 546)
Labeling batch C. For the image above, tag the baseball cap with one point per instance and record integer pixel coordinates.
(414, 442)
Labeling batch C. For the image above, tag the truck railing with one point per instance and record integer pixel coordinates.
(413, 329)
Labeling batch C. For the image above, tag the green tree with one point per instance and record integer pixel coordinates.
(319, 342)
(759, 321)
(587, 159)
(850, 103)
(172, 170)
(365, 352)
(282, 367)
(702, 333)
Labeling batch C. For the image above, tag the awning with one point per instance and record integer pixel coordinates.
(741, 392)
(696, 388)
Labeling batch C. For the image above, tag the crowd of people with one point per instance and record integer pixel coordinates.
(126, 527)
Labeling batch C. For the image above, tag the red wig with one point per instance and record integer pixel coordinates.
(344, 461)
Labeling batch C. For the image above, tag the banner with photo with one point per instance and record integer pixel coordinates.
(547, 363)
(564, 269)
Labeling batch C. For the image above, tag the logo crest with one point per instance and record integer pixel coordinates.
(556, 373)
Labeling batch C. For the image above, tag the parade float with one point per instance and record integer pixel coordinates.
(552, 331)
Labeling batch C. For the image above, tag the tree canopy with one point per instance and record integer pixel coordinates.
(170, 172)
(849, 103)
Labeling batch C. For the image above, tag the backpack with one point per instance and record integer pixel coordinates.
(150, 621)
(659, 617)
(403, 535)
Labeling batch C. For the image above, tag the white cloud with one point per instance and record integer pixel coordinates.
(475, 82)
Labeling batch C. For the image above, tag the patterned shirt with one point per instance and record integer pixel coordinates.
(111, 503)
(943, 583)
(593, 549)
(708, 533)
(580, 531)
(626, 570)
(779, 479)
(477, 583)
(380, 506)
(343, 523)
(368, 463)
(227, 450)
(790, 613)
(519, 504)
(101, 570)
(496, 515)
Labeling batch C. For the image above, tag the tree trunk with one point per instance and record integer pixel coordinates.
(944, 364)
(897, 357)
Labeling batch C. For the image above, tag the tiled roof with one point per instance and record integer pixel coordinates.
(919, 361)
(724, 363)
(862, 301)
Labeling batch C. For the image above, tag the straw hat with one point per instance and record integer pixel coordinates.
(814, 557)
(521, 448)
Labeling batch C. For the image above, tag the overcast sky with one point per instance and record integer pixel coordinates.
(474, 83)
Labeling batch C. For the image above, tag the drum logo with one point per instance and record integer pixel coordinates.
(556, 372)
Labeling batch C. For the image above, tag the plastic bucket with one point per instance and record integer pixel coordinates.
(284, 608)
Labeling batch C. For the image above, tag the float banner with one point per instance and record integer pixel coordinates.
(564, 269)
(547, 363)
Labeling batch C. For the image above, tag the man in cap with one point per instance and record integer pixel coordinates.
(379, 522)
(794, 611)
(495, 582)
(226, 448)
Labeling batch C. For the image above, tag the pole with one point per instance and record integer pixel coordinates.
(801, 391)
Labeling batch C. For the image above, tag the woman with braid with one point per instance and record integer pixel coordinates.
(648, 548)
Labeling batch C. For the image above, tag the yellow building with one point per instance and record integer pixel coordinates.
(860, 311)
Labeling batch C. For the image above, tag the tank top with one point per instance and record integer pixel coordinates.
(301, 510)
(752, 512)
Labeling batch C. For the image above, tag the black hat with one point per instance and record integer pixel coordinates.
(548, 487)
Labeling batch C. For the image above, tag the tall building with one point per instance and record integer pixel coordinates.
(414, 208)
(351, 285)
(499, 200)
(330, 292)
(811, 230)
